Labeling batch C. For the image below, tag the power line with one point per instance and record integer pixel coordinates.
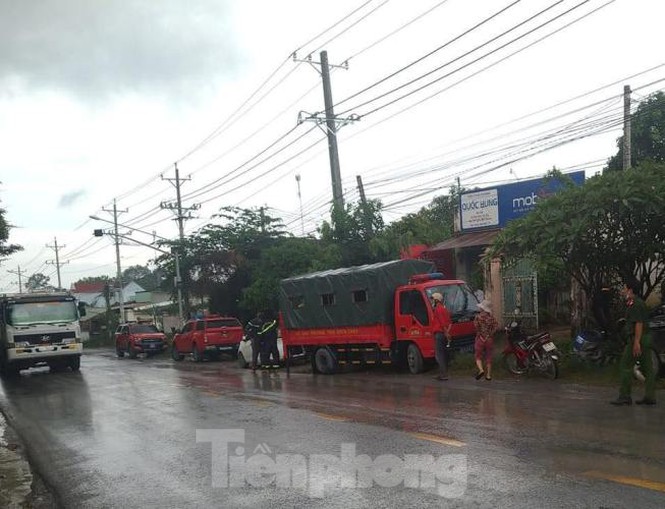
(439, 48)
(464, 66)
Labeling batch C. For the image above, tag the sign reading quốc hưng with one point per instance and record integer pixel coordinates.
(495, 207)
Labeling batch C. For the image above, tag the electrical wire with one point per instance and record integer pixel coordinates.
(436, 80)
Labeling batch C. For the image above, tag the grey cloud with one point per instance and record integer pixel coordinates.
(68, 199)
(94, 49)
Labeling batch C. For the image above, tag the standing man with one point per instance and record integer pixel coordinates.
(269, 336)
(253, 329)
(442, 325)
(638, 348)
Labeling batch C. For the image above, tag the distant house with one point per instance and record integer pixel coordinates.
(90, 293)
(93, 293)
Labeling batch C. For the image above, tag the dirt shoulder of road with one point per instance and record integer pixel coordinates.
(20, 486)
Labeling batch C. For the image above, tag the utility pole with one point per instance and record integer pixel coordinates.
(116, 236)
(302, 222)
(363, 204)
(182, 214)
(338, 196)
(57, 263)
(332, 124)
(626, 128)
(18, 272)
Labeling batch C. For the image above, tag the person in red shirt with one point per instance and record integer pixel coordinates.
(486, 326)
(442, 323)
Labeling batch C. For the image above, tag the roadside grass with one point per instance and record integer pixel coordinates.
(571, 369)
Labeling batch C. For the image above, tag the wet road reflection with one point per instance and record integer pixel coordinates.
(123, 433)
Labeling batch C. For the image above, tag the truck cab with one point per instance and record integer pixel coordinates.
(39, 329)
(414, 316)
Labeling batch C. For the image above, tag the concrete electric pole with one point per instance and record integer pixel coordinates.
(626, 129)
(332, 123)
(302, 222)
(18, 272)
(182, 214)
(116, 237)
(57, 263)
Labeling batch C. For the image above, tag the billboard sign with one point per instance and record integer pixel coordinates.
(495, 207)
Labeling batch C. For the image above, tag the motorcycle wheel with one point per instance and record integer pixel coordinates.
(550, 367)
(513, 364)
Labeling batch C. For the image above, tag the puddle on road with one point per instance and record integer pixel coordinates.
(15, 475)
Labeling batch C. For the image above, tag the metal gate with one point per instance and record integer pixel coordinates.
(520, 293)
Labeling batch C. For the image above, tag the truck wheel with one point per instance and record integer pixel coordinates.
(414, 359)
(196, 354)
(175, 355)
(75, 363)
(119, 352)
(130, 351)
(324, 361)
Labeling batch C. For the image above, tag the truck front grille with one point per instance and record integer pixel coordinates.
(45, 338)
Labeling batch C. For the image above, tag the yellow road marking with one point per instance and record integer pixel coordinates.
(331, 417)
(631, 481)
(437, 439)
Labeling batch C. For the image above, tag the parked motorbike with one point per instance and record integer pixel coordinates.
(524, 354)
(600, 347)
(596, 346)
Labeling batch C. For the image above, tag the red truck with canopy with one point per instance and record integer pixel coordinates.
(372, 314)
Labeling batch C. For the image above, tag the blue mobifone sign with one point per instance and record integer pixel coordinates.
(495, 207)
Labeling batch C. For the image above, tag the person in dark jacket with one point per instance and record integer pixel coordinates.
(269, 338)
(253, 330)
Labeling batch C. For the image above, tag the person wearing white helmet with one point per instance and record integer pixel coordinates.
(486, 325)
(442, 323)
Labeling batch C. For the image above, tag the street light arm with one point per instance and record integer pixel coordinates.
(129, 228)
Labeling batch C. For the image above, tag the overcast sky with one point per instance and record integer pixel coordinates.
(98, 100)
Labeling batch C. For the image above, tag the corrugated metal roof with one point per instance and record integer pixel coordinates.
(484, 238)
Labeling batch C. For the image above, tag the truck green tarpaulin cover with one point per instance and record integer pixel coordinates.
(360, 295)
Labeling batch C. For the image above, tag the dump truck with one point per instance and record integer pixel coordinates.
(39, 329)
(373, 314)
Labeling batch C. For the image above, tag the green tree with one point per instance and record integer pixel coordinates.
(5, 248)
(218, 260)
(430, 225)
(94, 279)
(145, 277)
(37, 281)
(608, 229)
(287, 257)
(351, 229)
(647, 134)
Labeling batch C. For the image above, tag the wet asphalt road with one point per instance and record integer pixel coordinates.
(123, 433)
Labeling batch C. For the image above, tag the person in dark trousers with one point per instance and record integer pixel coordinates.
(253, 329)
(638, 348)
(442, 325)
(269, 338)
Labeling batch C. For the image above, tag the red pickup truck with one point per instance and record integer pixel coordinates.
(136, 338)
(207, 337)
(373, 314)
